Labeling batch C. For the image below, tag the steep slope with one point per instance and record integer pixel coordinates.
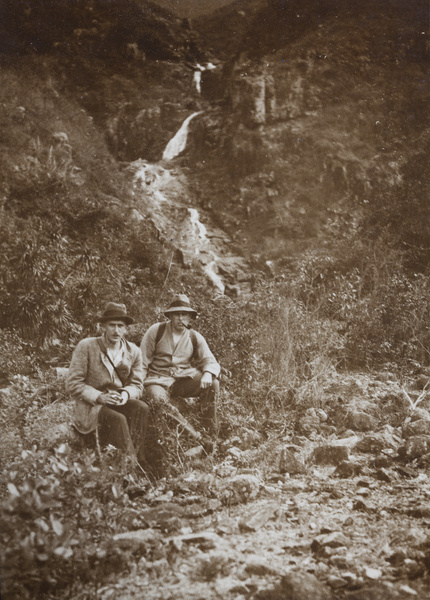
(82, 94)
(317, 121)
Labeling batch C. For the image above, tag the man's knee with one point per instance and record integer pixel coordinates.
(212, 391)
(138, 407)
(156, 393)
(107, 414)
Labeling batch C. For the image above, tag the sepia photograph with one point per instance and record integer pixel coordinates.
(215, 299)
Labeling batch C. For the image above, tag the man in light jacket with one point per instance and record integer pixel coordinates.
(106, 379)
(177, 362)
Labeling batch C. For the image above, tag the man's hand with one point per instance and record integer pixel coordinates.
(104, 399)
(113, 399)
(206, 380)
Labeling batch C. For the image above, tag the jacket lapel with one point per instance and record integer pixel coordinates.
(103, 354)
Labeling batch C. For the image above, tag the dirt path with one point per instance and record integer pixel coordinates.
(350, 520)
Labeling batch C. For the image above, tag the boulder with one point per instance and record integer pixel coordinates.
(289, 463)
(330, 455)
(137, 541)
(205, 540)
(238, 489)
(415, 447)
(415, 428)
(348, 469)
(310, 422)
(335, 539)
(360, 421)
(255, 565)
(376, 442)
(226, 525)
(257, 518)
(303, 586)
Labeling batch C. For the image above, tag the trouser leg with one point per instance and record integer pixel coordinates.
(156, 393)
(209, 398)
(136, 413)
(124, 427)
(187, 387)
(113, 429)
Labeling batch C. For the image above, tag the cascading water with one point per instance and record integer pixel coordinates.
(179, 140)
(163, 196)
(197, 225)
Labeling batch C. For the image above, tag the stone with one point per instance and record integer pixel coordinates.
(372, 573)
(195, 452)
(360, 421)
(330, 455)
(348, 469)
(136, 541)
(408, 590)
(167, 516)
(335, 539)
(361, 505)
(376, 442)
(303, 586)
(257, 566)
(339, 561)
(383, 475)
(309, 422)
(226, 525)
(137, 216)
(336, 582)
(258, 518)
(289, 463)
(420, 512)
(424, 461)
(416, 428)
(420, 413)
(249, 439)
(206, 540)
(407, 471)
(234, 452)
(238, 489)
(349, 442)
(415, 446)
(379, 592)
(382, 462)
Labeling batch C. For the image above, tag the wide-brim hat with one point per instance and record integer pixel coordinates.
(180, 303)
(115, 312)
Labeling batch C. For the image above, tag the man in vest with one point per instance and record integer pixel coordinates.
(177, 363)
(106, 379)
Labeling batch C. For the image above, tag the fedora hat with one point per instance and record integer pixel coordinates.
(115, 312)
(180, 303)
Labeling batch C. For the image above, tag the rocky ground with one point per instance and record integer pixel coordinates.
(337, 508)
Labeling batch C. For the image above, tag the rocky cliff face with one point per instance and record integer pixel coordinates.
(316, 127)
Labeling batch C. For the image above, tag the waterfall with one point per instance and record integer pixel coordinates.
(197, 78)
(197, 225)
(179, 140)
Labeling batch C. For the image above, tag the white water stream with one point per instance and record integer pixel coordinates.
(179, 141)
(164, 191)
(197, 77)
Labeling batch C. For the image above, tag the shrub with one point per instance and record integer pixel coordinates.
(57, 520)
